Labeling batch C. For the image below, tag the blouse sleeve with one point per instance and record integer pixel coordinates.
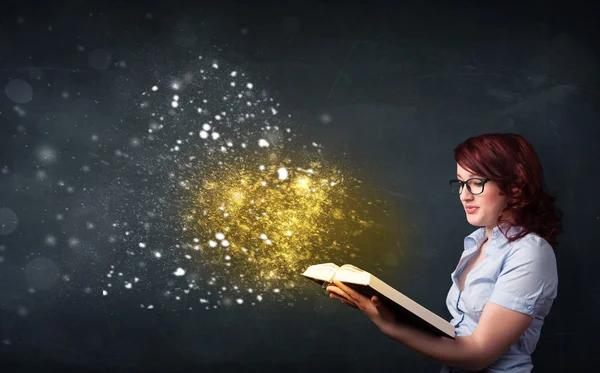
(528, 277)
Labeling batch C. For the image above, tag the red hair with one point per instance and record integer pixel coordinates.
(510, 160)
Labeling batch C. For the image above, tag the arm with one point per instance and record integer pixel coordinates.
(498, 328)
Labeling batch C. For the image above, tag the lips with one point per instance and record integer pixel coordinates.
(471, 209)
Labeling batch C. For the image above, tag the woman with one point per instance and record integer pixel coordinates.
(506, 279)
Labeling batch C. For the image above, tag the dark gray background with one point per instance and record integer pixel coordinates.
(391, 87)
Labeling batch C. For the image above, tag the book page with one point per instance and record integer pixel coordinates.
(323, 271)
(350, 267)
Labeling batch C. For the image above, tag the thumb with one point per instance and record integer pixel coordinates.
(375, 300)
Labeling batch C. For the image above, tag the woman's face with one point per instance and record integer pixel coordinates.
(487, 206)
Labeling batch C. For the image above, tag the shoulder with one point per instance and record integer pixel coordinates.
(534, 255)
(528, 275)
(532, 246)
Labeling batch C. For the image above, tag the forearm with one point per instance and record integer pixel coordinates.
(461, 352)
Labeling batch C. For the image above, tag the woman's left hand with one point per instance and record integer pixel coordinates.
(375, 310)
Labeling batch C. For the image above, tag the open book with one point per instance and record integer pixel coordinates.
(407, 310)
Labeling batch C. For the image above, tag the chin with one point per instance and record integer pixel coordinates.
(473, 220)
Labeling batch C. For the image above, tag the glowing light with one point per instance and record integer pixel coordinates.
(282, 173)
(267, 221)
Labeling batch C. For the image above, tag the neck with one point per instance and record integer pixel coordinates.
(489, 231)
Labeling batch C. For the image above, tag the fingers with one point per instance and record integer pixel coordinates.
(350, 304)
(338, 291)
(343, 300)
(347, 290)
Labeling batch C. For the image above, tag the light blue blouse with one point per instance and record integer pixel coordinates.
(521, 276)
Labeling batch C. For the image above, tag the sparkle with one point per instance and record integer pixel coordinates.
(277, 218)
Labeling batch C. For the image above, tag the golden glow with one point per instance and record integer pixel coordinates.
(265, 224)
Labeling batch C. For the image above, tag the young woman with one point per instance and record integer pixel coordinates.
(506, 279)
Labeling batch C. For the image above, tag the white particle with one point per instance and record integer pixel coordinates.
(174, 104)
(215, 66)
(157, 254)
(188, 257)
(273, 111)
(217, 117)
(249, 85)
(244, 145)
(202, 300)
(283, 173)
(263, 236)
(288, 233)
(219, 236)
(240, 301)
(155, 88)
(261, 167)
(199, 110)
(212, 243)
(225, 243)
(203, 134)
(259, 298)
(227, 257)
(104, 292)
(233, 73)
(276, 290)
(179, 272)
(128, 285)
(263, 143)
(150, 307)
(206, 127)
(142, 245)
(215, 135)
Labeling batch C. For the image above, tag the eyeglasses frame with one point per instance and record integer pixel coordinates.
(466, 183)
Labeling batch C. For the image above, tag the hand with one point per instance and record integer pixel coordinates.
(375, 310)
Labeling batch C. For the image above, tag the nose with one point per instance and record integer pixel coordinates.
(465, 195)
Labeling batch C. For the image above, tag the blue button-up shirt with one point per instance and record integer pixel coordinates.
(521, 276)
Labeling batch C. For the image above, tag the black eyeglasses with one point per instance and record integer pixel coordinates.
(474, 185)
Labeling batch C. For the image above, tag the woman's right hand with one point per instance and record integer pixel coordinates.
(343, 300)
